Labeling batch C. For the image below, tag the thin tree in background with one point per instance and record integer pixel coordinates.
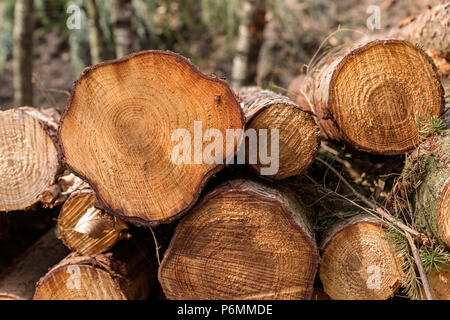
(122, 16)
(23, 52)
(249, 41)
(95, 32)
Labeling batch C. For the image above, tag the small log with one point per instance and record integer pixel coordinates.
(369, 95)
(29, 158)
(18, 281)
(358, 262)
(440, 282)
(295, 87)
(86, 229)
(298, 134)
(131, 114)
(126, 273)
(244, 240)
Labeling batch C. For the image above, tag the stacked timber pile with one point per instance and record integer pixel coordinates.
(143, 142)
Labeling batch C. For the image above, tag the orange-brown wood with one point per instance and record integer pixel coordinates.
(245, 240)
(86, 229)
(29, 158)
(370, 95)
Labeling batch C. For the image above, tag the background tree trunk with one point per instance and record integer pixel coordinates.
(95, 32)
(23, 52)
(124, 28)
(249, 42)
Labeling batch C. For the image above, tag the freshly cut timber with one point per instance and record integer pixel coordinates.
(440, 282)
(298, 134)
(370, 95)
(141, 120)
(249, 40)
(244, 240)
(126, 273)
(86, 229)
(18, 281)
(29, 158)
(432, 196)
(358, 262)
(295, 87)
(65, 185)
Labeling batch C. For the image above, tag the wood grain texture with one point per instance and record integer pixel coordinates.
(29, 158)
(245, 240)
(88, 230)
(352, 251)
(126, 273)
(298, 141)
(370, 94)
(430, 29)
(126, 111)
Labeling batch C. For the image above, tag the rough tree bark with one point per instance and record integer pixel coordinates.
(151, 166)
(85, 229)
(23, 52)
(244, 240)
(95, 32)
(18, 281)
(126, 273)
(358, 262)
(432, 196)
(249, 42)
(298, 134)
(369, 95)
(29, 158)
(124, 27)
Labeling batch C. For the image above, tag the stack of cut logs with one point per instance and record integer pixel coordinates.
(126, 153)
